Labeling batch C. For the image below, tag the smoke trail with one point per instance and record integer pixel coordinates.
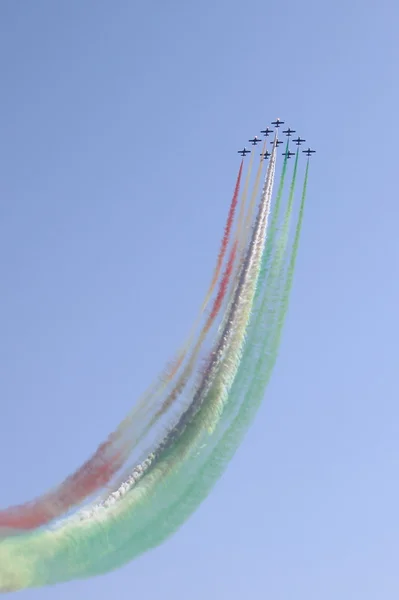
(181, 451)
(149, 401)
(255, 190)
(48, 554)
(279, 195)
(240, 220)
(112, 454)
(226, 236)
(207, 380)
(191, 436)
(138, 472)
(182, 382)
(191, 494)
(184, 467)
(94, 474)
(202, 480)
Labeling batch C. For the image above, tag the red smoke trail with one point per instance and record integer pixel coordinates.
(228, 226)
(177, 362)
(91, 476)
(223, 287)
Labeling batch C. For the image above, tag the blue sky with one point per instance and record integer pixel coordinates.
(119, 126)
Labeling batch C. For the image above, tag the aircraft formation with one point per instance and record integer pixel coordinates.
(266, 132)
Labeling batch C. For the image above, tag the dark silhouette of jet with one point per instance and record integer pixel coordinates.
(255, 140)
(243, 152)
(289, 131)
(267, 131)
(288, 154)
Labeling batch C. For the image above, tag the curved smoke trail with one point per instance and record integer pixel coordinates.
(114, 452)
(196, 418)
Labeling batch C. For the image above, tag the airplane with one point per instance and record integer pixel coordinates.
(308, 152)
(265, 155)
(267, 131)
(243, 152)
(298, 141)
(289, 131)
(277, 123)
(278, 142)
(255, 140)
(288, 154)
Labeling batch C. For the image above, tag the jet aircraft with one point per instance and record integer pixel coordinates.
(278, 142)
(265, 155)
(298, 141)
(308, 152)
(277, 123)
(255, 140)
(289, 131)
(288, 154)
(267, 131)
(243, 152)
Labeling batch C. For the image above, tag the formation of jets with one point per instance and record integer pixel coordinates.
(266, 132)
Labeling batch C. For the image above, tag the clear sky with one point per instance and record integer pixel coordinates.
(119, 123)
